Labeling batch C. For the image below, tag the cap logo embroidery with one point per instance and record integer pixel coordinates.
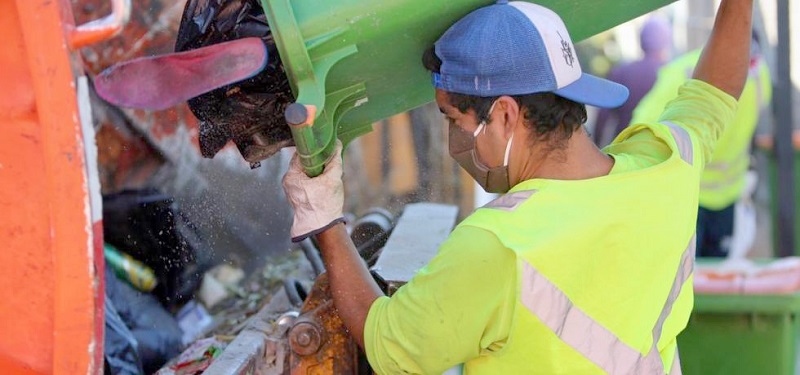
(566, 50)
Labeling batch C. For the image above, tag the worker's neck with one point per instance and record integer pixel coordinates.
(578, 159)
(660, 56)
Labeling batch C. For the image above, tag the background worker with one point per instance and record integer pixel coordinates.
(655, 39)
(582, 265)
(724, 178)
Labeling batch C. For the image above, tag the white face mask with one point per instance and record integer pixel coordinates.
(462, 149)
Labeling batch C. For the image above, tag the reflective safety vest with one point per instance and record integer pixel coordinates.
(723, 179)
(604, 267)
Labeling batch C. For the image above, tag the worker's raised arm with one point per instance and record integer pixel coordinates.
(726, 56)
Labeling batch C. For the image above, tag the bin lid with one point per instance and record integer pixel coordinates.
(748, 302)
(766, 141)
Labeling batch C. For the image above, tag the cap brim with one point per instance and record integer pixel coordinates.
(595, 91)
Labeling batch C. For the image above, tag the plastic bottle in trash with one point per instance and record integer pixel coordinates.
(129, 269)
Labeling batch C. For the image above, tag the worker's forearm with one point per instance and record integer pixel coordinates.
(726, 56)
(352, 286)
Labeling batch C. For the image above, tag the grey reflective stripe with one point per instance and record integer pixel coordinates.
(573, 326)
(588, 337)
(676, 364)
(683, 140)
(719, 185)
(723, 166)
(684, 271)
(510, 201)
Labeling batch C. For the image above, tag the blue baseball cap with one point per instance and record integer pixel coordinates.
(518, 48)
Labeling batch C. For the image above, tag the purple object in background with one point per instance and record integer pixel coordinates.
(656, 36)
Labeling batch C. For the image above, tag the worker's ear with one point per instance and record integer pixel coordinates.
(510, 110)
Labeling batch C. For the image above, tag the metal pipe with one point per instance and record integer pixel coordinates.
(784, 151)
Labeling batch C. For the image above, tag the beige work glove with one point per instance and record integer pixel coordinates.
(317, 201)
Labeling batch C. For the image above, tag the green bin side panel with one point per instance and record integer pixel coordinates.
(392, 35)
(733, 344)
(359, 61)
(741, 334)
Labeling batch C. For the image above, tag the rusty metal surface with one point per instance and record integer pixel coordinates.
(126, 160)
(282, 341)
(151, 31)
(319, 340)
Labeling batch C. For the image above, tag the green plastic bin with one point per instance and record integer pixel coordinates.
(353, 62)
(741, 334)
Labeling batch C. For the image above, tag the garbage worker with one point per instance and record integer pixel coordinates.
(724, 177)
(583, 265)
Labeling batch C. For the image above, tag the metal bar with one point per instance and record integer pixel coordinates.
(784, 152)
(261, 348)
(103, 29)
(414, 242)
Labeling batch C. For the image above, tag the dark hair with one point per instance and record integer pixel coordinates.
(551, 117)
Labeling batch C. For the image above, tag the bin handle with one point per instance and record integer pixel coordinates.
(104, 28)
(300, 118)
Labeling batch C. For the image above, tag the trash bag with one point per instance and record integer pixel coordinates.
(156, 332)
(148, 226)
(119, 345)
(249, 112)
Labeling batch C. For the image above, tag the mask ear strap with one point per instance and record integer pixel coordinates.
(482, 126)
(483, 123)
(478, 130)
(508, 151)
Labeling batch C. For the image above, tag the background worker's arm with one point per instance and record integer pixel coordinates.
(726, 56)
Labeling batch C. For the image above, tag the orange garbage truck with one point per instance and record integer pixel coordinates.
(51, 292)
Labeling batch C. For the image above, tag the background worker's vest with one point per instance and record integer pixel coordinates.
(604, 266)
(723, 178)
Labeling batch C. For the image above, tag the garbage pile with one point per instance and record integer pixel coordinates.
(224, 306)
(168, 310)
(152, 269)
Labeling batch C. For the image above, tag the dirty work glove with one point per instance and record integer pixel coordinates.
(317, 201)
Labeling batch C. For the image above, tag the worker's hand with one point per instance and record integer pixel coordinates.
(317, 201)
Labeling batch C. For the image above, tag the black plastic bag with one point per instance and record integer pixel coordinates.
(156, 332)
(250, 112)
(119, 346)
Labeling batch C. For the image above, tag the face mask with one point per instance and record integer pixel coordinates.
(462, 149)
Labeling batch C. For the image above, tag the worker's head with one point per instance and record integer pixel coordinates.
(656, 37)
(510, 69)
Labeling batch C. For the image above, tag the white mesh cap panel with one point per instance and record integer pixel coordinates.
(557, 41)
